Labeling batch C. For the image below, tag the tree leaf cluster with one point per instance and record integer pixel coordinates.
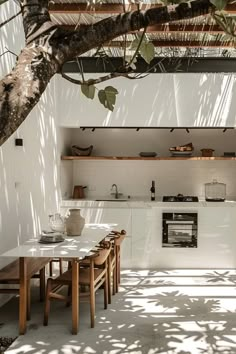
(106, 96)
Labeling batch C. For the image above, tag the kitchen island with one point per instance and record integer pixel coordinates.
(143, 221)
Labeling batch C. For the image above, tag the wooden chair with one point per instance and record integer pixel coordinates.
(55, 260)
(92, 277)
(35, 269)
(116, 237)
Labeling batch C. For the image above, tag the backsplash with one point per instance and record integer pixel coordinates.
(134, 177)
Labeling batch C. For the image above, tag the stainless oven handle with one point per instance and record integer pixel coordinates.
(186, 222)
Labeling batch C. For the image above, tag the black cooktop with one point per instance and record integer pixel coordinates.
(179, 198)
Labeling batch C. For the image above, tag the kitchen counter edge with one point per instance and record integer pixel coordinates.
(91, 203)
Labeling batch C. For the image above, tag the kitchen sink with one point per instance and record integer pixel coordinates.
(111, 200)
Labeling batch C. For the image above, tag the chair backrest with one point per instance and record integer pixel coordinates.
(118, 240)
(102, 255)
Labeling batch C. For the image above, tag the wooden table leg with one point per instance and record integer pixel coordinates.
(23, 295)
(75, 296)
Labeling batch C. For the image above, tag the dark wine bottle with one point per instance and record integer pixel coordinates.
(152, 189)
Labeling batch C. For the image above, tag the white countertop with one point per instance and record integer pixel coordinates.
(141, 202)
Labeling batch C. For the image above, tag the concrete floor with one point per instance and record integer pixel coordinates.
(164, 311)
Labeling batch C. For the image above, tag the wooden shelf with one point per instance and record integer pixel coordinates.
(192, 158)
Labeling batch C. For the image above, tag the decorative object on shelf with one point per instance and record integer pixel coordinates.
(229, 154)
(79, 151)
(148, 154)
(182, 148)
(215, 191)
(207, 152)
(74, 223)
(78, 192)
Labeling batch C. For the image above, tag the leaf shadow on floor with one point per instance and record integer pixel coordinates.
(145, 317)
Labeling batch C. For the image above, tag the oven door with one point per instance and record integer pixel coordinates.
(179, 230)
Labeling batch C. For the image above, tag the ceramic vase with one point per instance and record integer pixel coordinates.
(74, 223)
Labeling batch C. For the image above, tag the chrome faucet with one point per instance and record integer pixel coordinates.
(116, 190)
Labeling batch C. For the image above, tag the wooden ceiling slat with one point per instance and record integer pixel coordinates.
(74, 8)
(99, 8)
(185, 28)
(173, 43)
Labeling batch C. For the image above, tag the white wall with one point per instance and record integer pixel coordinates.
(158, 100)
(29, 175)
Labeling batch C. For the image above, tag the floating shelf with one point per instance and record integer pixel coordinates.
(192, 158)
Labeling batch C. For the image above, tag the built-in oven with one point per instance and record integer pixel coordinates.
(179, 229)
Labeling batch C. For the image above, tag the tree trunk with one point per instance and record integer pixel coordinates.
(21, 90)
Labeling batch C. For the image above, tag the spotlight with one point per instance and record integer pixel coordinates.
(137, 129)
(224, 130)
(187, 130)
(172, 129)
(93, 129)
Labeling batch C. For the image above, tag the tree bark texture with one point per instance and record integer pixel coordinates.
(48, 47)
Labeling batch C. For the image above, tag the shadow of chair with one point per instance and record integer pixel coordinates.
(91, 276)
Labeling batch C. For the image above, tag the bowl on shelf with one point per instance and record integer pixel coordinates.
(181, 153)
(147, 154)
(79, 151)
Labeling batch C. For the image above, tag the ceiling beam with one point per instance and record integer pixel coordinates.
(194, 65)
(76, 8)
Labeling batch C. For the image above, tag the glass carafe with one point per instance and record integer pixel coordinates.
(57, 222)
(215, 191)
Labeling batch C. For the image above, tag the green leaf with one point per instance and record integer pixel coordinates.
(107, 97)
(219, 4)
(88, 90)
(147, 51)
(134, 45)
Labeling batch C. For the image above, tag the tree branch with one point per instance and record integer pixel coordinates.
(35, 13)
(75, 43)
(95, 81)
(10, 19)
(8, 51)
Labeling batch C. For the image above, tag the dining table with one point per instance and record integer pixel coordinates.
(74, 248)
